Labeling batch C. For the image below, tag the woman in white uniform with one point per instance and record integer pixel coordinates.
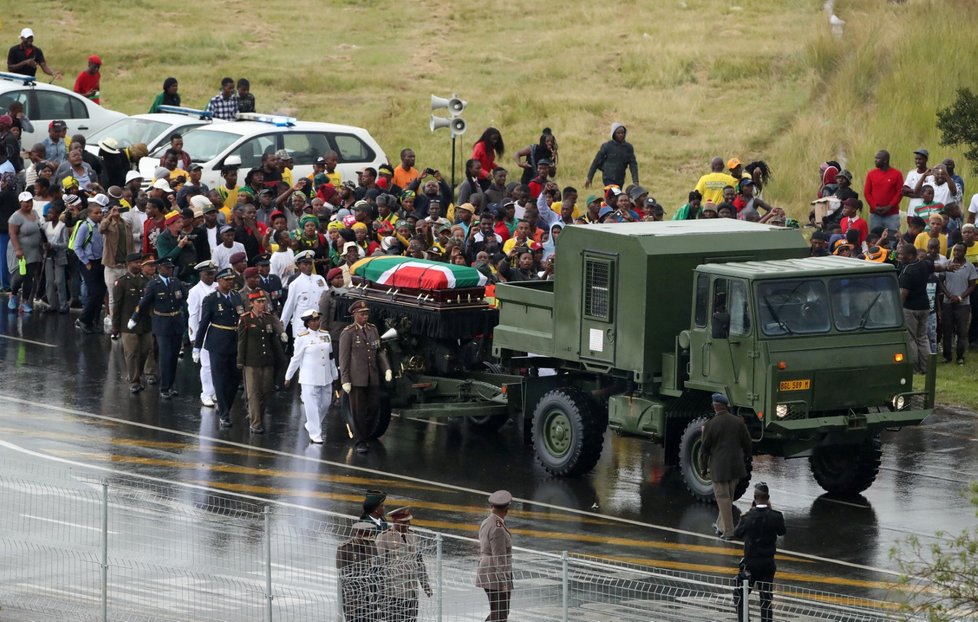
(317, 371)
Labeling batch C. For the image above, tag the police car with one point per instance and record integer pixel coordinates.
(153, 130)
(254, 134)
(44, 103)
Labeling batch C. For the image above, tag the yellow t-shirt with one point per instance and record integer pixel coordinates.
(711, 186)
(923, 238)
(334, 178)
(971, 253)
(287, 177)
(230, 196)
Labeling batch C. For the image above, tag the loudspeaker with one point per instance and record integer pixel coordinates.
(456, 125)
(436, 123)
(455, 105)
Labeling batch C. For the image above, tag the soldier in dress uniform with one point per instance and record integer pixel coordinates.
(137, 342)
(217, 333)
(166, 298)
(328, 305)
(374, 510)
(313, 359)
(305, 290)
(238, 262)
(403, 569)
(356, 561)
(495, 573)
(259, 345)
(250, 286)
(362, 363)
(195, 300)
(271, 283)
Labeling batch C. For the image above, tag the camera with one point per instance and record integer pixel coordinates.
(429, 171)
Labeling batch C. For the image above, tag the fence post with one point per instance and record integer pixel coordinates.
(438, 585)
(564, 585)
(268, 563)
(744, 594)
(105, 551)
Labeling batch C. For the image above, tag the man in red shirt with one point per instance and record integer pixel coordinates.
(87, 82)
(883, 192)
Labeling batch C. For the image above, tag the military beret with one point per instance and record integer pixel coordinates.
(358, 306)
(249, 272)
(258, 294)
(237, 257)
(226, 273)
(374, 498)
(332, 274)
(134, 257)
(206, 266)
(363, 526)
(304, 256)
(720, 398)
(401, 515)
(500, 498)
(310, 314)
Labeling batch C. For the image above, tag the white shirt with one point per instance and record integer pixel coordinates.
(304, 293)
(312, 359)
(136, 220)
(212, 238)
(195, 299)
(943, 194)
(282, 264)
(910, 181)
(221, 255)
(973, 208)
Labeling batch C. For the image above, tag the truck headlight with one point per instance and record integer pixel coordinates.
(899, 402)
(781, 411)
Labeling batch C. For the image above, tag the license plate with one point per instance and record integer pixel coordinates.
(795, 385)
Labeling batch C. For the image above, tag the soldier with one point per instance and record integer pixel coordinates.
(238, 261)
(166, 297)
(373, 509)
(217, 334)
(760, 528)
(259, 334)
(361, 362)
(403, 568)
(328, 305)
(271, 283)
(250, 286)
(495, 573)
(356, 561)
(195, 300)
(726, 446)
(305, 290)
(151, 371)
(313, 359)
(137, 342)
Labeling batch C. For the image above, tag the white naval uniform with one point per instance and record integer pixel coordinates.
(304, 293)
(317, 371)
(195, 299)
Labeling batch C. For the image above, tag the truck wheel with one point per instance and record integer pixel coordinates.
(847, 469)
(383, 418)
(697, 481)
(567, 434)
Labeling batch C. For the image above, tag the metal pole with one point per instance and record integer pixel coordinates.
(268, 563)
(105, 551)
(438, 569)
(453, 172)
(744, 593)
(564, 585)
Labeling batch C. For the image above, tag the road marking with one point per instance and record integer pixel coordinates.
(375, 472)
(67, 524)
(30, 341)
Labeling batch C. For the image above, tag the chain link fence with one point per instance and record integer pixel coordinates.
(79, 545)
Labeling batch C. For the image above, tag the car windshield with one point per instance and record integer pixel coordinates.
(793, 307)
(203, 145)
(865, 302)
(130, 131)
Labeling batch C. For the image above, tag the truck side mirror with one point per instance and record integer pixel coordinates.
(720, 327)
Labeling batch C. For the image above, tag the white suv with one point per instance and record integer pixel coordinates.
(44, 103)
(258, 134)
(153, 129)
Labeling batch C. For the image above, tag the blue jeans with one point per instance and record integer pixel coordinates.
(890, 222)
(4, 273)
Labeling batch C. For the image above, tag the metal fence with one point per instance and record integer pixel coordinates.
(80, 545)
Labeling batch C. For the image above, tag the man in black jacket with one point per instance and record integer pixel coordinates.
(613, 158)
(725, 449)
(759, 528)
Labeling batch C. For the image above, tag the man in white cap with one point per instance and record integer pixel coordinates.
(305, 290)
(315, 363)
(24, 58)
(495, 573)
(403, 568)
(195, 299)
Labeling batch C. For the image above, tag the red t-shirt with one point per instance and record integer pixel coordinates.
(486, 157)
(856, 223)
(86, 82)
(884, 188)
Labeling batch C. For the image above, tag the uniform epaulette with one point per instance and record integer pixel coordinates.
(303, 333)
(349, 326)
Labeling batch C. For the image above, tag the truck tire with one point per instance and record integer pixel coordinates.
(847, 469)
(698, 483)
(567, 434)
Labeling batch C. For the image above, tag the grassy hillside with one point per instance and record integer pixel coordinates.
(690, 78)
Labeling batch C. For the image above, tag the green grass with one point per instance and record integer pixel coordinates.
(759, 79)
(956, 383)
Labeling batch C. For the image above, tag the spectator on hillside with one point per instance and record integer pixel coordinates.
(405, 173)
(883, 191)
(489, 147)
(537, 184)
(935, 230)
(925, 205)
(528, 157)
(957, 286)
(760, 174)
(433, 189)
(497, 192)
(920, 173)
(944, 189)
(711, 185)
(224, 105)
(87, 82)
(24, 58)
(474, 182)
(851, 219)
(176, 144)
(949, 166)
(747, 203)
(76, 167)
(55, 149)
(167, 97)
(613, 158)
(246, 101)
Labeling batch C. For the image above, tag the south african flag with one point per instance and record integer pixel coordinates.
(416, 273)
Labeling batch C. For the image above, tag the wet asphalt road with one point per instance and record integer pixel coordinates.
(53, 380)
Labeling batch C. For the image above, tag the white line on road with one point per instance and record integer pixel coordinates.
(65, 523)
(36, 343)
(375, 472)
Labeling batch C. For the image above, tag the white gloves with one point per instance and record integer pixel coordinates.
(284, 337)
(196, 355)
(347, 387)
(131, 324)
(388, 375)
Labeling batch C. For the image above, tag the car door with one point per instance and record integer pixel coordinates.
(305, 147)
(72, 110)
(729, 348)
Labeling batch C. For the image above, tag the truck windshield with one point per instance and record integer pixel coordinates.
(793, 307)
(865, 302)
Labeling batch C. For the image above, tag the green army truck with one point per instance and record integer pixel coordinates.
(645, 321)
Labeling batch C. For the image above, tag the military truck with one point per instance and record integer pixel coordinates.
(645, 321)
